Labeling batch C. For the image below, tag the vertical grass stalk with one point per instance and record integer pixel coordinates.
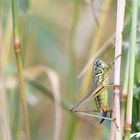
(73, 121)
(131, 69)
(18, 54)
(124, 94)
(117, 68)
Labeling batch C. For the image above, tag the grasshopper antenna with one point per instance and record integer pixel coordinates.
(112, 63)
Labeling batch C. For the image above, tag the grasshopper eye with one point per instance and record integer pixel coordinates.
(98, 62)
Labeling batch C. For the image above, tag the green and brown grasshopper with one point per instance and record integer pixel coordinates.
(99, 91)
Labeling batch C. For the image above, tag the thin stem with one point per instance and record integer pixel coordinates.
(17, 49)
(131, 69)
(117, 68)
(73, 121)
(125, 93)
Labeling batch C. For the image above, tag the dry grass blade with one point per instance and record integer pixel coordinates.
(33, 73)
(55, 87)
(103, 48)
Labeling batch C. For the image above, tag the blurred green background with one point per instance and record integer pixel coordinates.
(58, 37)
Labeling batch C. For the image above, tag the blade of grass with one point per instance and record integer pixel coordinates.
(117, 68)
(124, 93)
(131, 70)
(18, 54)
(72, 70)
(54, 79)
(55, 82)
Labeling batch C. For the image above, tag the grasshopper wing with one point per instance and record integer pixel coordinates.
(92, 94)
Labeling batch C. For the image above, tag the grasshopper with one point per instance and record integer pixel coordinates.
(99, 91)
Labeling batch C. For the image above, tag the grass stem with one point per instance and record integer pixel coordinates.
(124, 93)
(72, 70)
(131, 69)
(18, 54)
(117, 68)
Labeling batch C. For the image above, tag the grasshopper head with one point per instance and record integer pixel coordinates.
(99, 64)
